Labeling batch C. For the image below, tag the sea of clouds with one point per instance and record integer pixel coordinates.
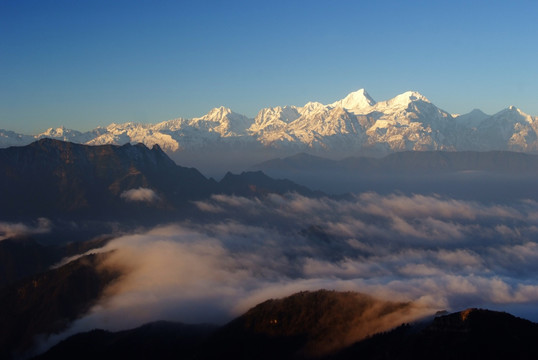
(436, 252)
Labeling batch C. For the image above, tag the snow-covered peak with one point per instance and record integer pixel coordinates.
(53, 132)
(311, 107)
(513, 112)
(514, 108)
(285, 114)
(10, 138)
(409, 96)
(408, 121)
(61, 133)
(218, 113)
(401, 101)
(357, 100)
(128, 126)
(273, 118)
(170, 125)
(223, 121)
(114, 125)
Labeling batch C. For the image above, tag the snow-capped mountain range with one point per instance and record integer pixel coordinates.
(356, 124)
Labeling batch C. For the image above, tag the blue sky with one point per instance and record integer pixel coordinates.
(86, 63)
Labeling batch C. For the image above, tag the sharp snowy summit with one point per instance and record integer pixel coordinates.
(359, 101)
(354, 125)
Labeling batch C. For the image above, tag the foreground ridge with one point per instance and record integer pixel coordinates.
(322, 325)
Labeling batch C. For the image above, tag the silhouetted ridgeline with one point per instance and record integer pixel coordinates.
(470, 334)
(322, 324)
(51, 178)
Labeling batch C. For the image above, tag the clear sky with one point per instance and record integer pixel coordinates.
(86, 63)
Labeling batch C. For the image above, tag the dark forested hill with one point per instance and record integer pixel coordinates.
(318, 325)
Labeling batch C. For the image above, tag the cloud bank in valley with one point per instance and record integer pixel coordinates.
(437, 252)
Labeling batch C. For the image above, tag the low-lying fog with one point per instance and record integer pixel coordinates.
(438, 252)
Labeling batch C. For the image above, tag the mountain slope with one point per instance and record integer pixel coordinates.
(471, 119)
(322, 325)
(469, 334)
(306, 324)
(51, 177)
(256, 183)
(510, 127)
(158, 340)
(21, 257)
(46, 303)
(130, 183)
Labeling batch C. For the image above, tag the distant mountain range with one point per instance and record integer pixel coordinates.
(478, 175)
(412, 162)
(354, 125)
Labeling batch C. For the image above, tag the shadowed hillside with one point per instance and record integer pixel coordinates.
(50, 177)
(469, 334)
(23, 257)
(309, 325)
(304, 325)
(131, 184)
(48, 302)
(158, 340)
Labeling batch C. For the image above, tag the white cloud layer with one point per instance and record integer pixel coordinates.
(439, 253)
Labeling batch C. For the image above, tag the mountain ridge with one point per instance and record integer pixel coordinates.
(56, 179)
(315, 324)
(479, 175)
(356, 124)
